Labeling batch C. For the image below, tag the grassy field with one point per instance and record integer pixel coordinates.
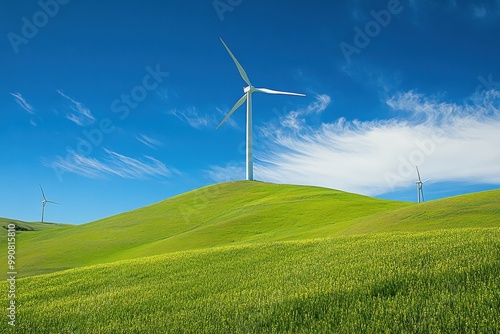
(252, 257)
(223, 214)
(242, 213)
(25, 226)
(440, 281)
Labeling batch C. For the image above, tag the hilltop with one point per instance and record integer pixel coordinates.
(26, 226)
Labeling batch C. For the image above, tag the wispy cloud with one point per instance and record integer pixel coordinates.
(21, 101)
(221, 114)
(148, 141)
(485, 9)
(198, 120)
(295, 119)
(110, 164)
(450, 141)
(480, 9)
(231, 171)
(79, 114)
(193, 117)
(479, 12)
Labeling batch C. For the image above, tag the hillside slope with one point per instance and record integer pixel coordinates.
(242, 213)
(25, 226)
(465, 211)
(218, 215)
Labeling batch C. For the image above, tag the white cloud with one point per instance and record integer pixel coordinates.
(198, 120)
(479, 12)
(110, 164)
(230, 172)
(230, 121)
(80, 114)
(148, 141)
(21, 101)
(192, 117)
(295, 119)
(448, 141)
(483, 9)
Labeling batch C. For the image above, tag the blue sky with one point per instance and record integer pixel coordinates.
(114, 105)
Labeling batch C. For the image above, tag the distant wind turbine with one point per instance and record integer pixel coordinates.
(420, 189)
(248, 97)
(45, 201)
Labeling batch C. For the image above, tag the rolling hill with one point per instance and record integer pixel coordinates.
(242, 213)
(25, 226)
(252, 257)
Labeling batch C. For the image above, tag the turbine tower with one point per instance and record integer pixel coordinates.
(249, 90)
(420, 190)
(45, 201)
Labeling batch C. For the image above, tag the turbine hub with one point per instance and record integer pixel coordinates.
(247, 89)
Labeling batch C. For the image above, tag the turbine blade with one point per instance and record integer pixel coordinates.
(425, 180)
(422, 190)
(240, 68)
(53, 202)
(236, 106)
(271, 91)
(43, 194)
(418, 174)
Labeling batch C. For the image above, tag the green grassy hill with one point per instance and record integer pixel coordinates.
(241, 213)
(464, 211)
(252, 257)
(25, 226)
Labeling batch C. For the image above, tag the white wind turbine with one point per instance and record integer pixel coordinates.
(45, 201)
(248, 97)
(420, 183)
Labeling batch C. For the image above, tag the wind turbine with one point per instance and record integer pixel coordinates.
(249, 90)
(45, 201)
(420, 183)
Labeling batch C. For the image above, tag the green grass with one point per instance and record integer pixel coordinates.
(465, 211)
(28, 227)
(237, 213)
(426, 282)
(223, 214)
(251, 257)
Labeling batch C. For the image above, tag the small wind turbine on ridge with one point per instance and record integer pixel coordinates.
(45, 201)
(248, 98)
(420, 189)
